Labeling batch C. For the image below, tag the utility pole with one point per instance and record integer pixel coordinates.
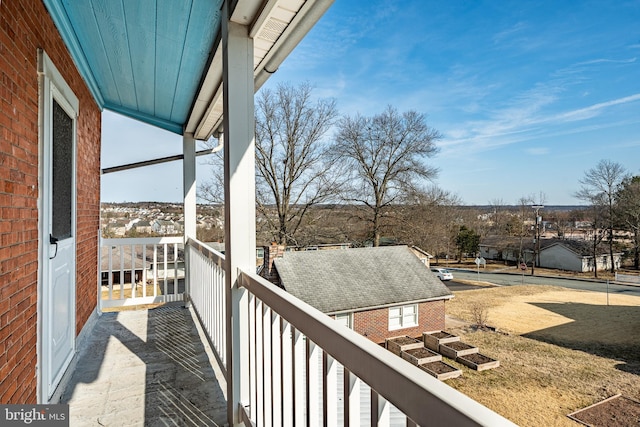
(536, 239)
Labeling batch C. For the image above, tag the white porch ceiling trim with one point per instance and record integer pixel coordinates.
(277, 27)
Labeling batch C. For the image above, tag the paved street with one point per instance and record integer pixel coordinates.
(505, 279)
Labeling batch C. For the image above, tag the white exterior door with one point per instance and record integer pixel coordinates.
(58, 232)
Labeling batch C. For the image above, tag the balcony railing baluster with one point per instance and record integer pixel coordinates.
(306, 369)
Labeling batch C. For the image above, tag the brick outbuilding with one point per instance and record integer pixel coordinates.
(379, 292)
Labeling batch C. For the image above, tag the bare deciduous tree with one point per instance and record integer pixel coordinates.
(524, 207)
(598, 188)
(386, 156)
(427, 219)
(628, 212)
(292, 168)
(498, 211)
(293, 173)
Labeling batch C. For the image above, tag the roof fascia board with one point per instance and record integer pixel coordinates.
(146, 118)
(395, 304)
(61, 21)
(209, 93)
(243, 12)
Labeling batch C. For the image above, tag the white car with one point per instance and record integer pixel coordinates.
(442, 273)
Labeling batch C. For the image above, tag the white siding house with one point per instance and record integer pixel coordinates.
(572, 257)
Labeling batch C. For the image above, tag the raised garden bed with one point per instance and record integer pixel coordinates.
(455, 349)
(440, 370)
(421, 355)
(617, 410)
(478, 361)
(399, 344)
(433, 339)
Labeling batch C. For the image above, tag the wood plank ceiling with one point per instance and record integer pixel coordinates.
(160, 61)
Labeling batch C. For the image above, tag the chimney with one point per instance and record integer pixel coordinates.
(270, 254)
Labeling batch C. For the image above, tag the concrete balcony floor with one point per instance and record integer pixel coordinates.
(147, 368)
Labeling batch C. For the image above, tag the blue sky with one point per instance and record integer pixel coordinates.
(527, 95)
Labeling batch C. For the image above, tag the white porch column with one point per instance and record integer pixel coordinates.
(189, 185)
(239, 193)
(189, 201)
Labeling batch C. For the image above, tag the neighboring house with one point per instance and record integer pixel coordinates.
(162, 226)
(423, 256)
(505, 248)
(117, 229)
(576, 255)
(111, 259)
(379, 292)
(561, 254)
(143, 227)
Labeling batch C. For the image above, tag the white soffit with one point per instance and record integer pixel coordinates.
(276, 29)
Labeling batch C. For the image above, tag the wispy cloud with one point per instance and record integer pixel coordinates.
(593, 110)
(522, 122)
(608, 61)
(509, 33)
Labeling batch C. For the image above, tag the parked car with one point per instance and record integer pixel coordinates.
(442, 273)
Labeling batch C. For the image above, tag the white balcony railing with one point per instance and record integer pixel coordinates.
(141, 271)
(304, 368)
(206, 293)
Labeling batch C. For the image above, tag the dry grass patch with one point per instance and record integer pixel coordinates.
(563, 350)
(127, 292)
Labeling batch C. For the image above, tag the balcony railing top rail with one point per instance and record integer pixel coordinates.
(422, 398)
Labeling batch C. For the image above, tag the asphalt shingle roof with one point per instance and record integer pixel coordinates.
(352, 279)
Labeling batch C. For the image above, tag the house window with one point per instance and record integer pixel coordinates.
(403, 316)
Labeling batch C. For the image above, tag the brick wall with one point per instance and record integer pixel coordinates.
(374, 324)
(26, 26)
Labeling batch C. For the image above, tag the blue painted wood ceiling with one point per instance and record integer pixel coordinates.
(160, 61)
(141, 58)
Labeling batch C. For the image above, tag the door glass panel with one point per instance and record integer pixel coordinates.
(62, 172)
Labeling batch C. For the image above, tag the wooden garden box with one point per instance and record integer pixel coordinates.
(440, 370)
(455, 349)
(433, 339)
(399, 344)
(420, 355)
(478, 361)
